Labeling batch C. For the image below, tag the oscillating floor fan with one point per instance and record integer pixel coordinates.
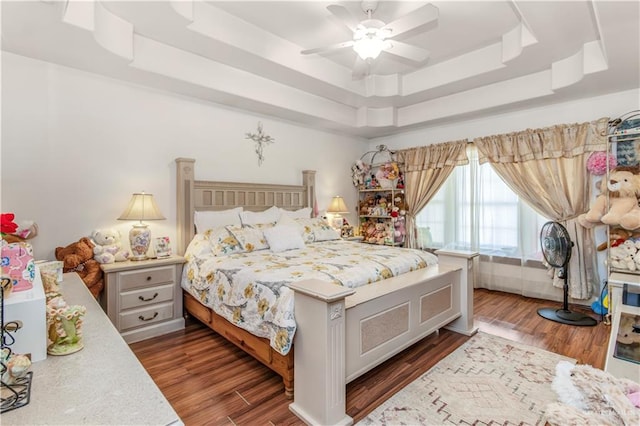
(556, 249)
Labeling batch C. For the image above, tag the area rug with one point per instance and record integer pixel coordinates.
(486, 381)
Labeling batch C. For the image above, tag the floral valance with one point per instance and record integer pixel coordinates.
(563, 140)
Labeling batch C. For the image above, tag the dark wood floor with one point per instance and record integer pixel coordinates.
(210, 382)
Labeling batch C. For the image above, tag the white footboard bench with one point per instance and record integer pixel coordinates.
(344, 333)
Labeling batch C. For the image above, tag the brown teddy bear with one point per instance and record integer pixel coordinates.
(617, 236)
(78, 257)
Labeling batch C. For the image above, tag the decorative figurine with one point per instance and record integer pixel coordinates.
(65, 327)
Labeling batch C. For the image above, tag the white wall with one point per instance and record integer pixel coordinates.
(76, 145)
(587, 109)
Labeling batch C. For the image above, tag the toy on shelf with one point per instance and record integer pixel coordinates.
(617, 203)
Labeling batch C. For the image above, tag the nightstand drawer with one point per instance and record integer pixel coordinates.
(146, 316)
(146, 277)
(146, 296)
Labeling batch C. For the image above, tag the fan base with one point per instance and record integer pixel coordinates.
(567, 317)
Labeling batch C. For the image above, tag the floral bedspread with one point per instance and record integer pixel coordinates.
(250, 289)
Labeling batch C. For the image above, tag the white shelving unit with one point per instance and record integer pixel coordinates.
(615, 364)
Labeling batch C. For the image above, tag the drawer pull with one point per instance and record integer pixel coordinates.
(141, 318)
(149, 299)
(149, 278)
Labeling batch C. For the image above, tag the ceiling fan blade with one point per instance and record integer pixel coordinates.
(417, 18)
(408, 51)
(344, 15)
(328, 48)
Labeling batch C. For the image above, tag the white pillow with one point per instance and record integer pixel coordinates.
(282, 238)
(209, 220)
(304, 212)
(270, 215)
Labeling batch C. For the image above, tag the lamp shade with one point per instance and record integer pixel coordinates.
(337, 206)
(141, 207)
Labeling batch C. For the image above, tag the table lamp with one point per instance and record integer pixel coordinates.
(337, 208)
(141, 207)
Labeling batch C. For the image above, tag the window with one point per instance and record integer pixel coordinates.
(476, 210)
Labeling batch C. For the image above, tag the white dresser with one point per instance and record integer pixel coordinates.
(102, 384)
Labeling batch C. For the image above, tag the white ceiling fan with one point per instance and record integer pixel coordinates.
(372, 36)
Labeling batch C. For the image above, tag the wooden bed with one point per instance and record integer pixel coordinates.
(343, 332)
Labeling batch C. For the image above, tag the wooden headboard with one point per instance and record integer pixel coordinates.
(198, 195)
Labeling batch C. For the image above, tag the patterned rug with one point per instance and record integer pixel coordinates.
(487, 381)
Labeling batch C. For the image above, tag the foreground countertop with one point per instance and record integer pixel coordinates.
(102, 384)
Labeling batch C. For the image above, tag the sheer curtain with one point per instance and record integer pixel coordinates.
(547, 168)
(475, 210)
(425, 170)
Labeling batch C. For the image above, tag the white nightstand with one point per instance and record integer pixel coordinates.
(143, 298)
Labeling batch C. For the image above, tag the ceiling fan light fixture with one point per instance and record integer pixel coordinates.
(368, 47)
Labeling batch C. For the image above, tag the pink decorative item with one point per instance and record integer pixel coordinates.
(17, 265)
(597, 163)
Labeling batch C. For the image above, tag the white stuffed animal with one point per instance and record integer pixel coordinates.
(589, 396)
(107, 246)
(621, 259)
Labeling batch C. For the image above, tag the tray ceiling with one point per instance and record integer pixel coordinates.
(485, 57)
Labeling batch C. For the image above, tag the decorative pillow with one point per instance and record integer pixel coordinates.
(283, 237)
(250, 238)
(303, 213)
(317, 229)
(306, 228)
(208, 220)
(270, 215)
(222, 243)
(325, 232)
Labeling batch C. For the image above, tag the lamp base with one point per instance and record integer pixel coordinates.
(139, 239)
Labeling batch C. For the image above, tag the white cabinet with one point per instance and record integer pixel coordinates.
(623, 357)
(143, 299)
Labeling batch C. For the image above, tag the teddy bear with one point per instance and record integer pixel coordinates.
(107, 247)
(381, 234)
(78, 257)
(623, 256)
(617, 236)
(400, 203)
(589, 396)
(623, 188)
